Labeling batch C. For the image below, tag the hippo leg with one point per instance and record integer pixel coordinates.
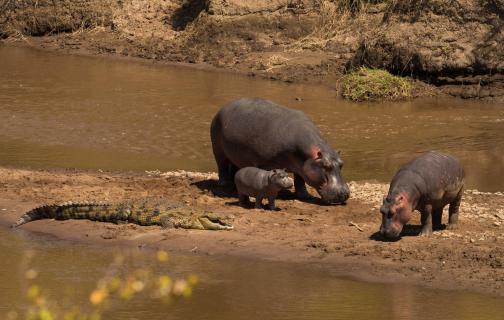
(300, 187)
(244, 199)
(223, 167)
(426, 218)
(453, 212)
(437, 215)
(271, 203)
(232, 170)
(258, 203)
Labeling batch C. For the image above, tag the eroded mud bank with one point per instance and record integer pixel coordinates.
(451, 47)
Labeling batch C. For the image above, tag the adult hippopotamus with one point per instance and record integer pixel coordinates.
(427, 183)
(253, 132)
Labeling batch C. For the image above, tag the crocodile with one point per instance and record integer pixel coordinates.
(141, 212)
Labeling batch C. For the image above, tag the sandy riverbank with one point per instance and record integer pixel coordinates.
(336, 237)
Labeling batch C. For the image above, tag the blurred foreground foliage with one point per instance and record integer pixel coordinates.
(112, 290)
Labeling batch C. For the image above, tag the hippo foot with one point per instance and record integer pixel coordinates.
(452, 226)
(303, 195)
(425, 233)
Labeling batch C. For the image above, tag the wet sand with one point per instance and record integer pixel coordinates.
(340, 239)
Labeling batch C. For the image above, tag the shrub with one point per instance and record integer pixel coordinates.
(367, 84)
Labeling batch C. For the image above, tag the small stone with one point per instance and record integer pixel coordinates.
(472, 240)
(496, 223)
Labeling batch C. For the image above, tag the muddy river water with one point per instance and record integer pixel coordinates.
(69, 111)
(228, 288)
(60, 111)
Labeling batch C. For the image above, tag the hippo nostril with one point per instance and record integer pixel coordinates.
(344, 195)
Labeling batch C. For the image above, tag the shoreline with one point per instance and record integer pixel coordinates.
(41, 45)
(470, 258)
(302, 42)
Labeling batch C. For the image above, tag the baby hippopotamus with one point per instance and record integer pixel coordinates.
(427, 184)
(260, 184)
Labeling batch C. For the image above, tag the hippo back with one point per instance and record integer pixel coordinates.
(256, 132)
(438, 171)
(251, 181)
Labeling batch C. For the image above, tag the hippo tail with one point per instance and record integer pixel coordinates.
(94, 211)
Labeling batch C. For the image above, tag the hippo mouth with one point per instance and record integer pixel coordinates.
(393, 231)
(391, 234)
(337, 198)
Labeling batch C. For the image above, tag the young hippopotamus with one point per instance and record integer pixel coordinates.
(253, 132)
(427, 184)
(261, 184)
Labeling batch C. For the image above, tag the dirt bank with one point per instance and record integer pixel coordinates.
(337, 237)
(453, 47)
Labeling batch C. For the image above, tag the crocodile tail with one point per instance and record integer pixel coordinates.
(95, 211)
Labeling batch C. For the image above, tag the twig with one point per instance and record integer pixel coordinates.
(355, 225)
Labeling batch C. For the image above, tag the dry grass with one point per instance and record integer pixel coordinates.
(367, 84)
(41, 17)
(273, 62)
(338, 20)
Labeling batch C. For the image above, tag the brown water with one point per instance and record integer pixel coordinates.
(69, 111)
(228, 289)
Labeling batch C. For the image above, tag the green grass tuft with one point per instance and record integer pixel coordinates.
(367, 84)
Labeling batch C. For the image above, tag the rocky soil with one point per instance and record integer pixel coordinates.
(453, 47)
(341, 238)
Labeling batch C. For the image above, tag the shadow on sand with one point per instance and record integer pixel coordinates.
(409, 230)
(229, 191)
